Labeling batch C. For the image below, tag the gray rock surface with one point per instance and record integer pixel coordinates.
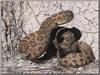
(28, 17)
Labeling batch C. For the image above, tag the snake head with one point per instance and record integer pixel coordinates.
(64, 41)
(68, 34)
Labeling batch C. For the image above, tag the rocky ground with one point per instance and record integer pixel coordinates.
(32, 14)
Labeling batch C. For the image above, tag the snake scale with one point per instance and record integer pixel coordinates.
(36, 43)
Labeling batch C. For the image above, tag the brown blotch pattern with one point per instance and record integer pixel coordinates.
(32, 35)
(40, 38)
(36, 47)
(27, 37)
(84, 57)
(40, 48)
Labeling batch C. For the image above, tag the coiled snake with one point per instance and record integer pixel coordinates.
(36, 43)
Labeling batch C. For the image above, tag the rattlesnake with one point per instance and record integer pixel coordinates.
(35, 44)
(71, 52)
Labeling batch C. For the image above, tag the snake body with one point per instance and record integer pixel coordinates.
(51, 49)
(75, 53)
(35, 44)
(69, 51)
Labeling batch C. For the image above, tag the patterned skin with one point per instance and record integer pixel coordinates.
(35, 44)
(73, 53)
(51, 49)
